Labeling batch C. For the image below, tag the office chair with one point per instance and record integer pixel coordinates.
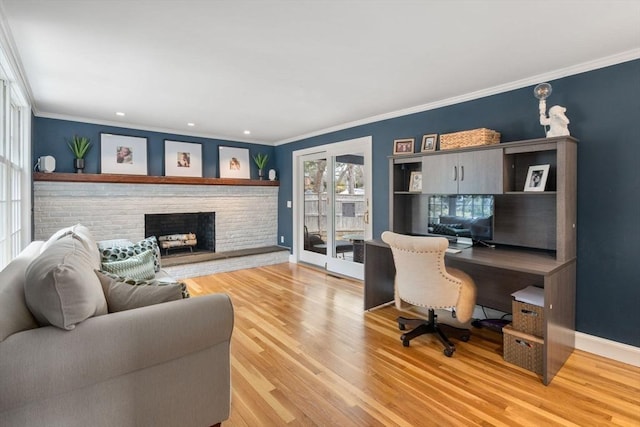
(423, 280)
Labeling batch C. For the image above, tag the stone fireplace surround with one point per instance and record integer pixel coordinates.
(245, 215)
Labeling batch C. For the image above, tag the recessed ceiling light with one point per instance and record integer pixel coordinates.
(120, 113)
(191, 124)
(247, 132)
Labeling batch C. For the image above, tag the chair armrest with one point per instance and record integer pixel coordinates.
(48, 361)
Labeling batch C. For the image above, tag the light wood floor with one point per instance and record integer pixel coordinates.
(305, 353)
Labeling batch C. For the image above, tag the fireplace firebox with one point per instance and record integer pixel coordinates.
(202, 224)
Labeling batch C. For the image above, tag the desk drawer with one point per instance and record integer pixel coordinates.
(528, 318)
(523, 349)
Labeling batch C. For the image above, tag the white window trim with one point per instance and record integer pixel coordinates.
(15, 95)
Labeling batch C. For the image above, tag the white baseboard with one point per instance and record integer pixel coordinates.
(606, 348)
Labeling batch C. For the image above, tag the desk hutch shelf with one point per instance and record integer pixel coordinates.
(534, 232)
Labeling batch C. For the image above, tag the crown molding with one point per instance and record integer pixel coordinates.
(126, 125)
(518, 84)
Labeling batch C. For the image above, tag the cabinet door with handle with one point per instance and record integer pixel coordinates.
(440, 174)
(473, 172)
(480, 172)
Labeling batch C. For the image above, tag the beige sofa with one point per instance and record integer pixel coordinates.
(160, 365)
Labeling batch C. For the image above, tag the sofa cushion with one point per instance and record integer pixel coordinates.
(104, 244)
(139, 267)
(126, 294)
(119, 250)
(14, 313)
(61, 288)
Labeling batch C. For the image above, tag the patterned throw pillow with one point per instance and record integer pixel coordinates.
(139, 267)
(122, 252)
(153, 282)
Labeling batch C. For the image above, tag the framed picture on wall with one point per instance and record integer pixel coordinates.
(403, 146)
(122, 154)
(182, 159)
(429, 142)
(234, 162)
(536, 178)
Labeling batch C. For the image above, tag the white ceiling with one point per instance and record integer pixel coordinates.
(286, 69)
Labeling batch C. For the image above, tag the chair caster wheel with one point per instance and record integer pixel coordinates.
(448, 352)
(401, 326)
(465, 338)
(405, 341)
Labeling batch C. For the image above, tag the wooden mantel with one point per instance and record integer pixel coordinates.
(144, 179)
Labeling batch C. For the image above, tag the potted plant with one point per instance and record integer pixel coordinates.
(79, 146)
(261, 162)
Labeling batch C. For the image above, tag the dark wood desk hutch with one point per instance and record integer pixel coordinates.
(534, 232)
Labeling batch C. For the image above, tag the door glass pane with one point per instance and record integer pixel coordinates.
(350, 207)
(315, 205)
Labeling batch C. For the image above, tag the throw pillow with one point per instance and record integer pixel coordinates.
(139, 267)
(153, 282)
(119, 252)
(61, 288)
(126, 294)
(81, 233)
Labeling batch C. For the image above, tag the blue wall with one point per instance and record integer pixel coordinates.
(50, 136)
(604, 109)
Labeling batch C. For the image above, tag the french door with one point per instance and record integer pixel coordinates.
(332, 197)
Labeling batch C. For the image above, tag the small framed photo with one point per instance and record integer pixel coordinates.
(403, 146)
(429, 142)
(234, 162)
(123, 154)
(182, 159)
(415, 183)
(536, 178)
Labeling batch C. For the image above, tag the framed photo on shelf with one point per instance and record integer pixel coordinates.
(536, 178)
(234, 162)
(403, 146)
(182, 159)
(429, 142)
(415, 182)
(122, 154)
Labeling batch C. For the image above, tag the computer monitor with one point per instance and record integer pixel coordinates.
(461, 218)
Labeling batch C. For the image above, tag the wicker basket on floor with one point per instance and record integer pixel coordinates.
(523, 349)
(469, 138)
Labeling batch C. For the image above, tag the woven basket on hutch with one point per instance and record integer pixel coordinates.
(469, 138)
